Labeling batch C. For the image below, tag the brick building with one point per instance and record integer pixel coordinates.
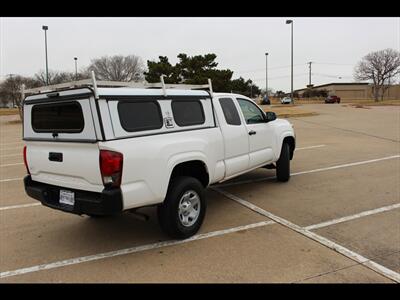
(354, 90)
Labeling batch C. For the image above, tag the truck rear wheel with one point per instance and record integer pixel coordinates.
(283, 164)
(182, 212)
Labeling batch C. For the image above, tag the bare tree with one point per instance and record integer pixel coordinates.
(118, 68)
(4, 101)
(55, 77)
(378, 67)
(270, 92)
(10, 90)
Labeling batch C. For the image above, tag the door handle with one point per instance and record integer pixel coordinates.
(252, 132)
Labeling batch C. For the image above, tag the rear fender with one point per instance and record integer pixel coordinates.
(181, 158)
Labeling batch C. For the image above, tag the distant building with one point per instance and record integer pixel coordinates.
(353, 90)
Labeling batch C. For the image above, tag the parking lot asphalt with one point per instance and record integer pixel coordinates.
(336, 220)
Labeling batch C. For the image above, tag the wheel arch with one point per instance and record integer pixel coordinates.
(292, 144)
(289, 139)
(194, 167)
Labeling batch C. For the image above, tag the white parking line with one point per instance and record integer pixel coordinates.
(305, 231)
(13, 148)
(320, 239)
(310, 171)
(78, 260)
(272, 177)
(348, 165)
(16, 143)
(353, 217)
(303, 148)
(19, 206)
(11, 179)
(9, 165)
(310, 147)
(9, 155)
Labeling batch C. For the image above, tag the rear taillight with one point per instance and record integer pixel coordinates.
(111, 168)
(26, 161)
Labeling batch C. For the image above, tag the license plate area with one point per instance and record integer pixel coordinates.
(67, 198)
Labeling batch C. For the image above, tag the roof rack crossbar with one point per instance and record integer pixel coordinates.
(92, 82)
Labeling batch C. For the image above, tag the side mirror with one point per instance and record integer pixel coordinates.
(270, 116)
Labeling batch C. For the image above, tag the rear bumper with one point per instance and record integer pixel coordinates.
(108, 202)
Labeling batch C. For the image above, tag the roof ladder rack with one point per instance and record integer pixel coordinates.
(210, 87)
(92, 82)
(96, 92)
(163, 85)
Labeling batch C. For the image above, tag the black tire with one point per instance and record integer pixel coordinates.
(97, 216)
(168, 211)
(283, 164)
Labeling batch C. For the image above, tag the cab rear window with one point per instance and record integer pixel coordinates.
(66, 117)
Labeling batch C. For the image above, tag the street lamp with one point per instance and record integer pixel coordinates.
(266, 74)
(76, 68)
(291, 86)
(45, 28)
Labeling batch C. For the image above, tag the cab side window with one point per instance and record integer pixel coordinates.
(251, 112)
(230, 112)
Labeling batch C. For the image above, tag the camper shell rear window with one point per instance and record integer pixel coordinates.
(65, 117)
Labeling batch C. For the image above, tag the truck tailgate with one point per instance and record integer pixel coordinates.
(61, 138)
(73, 165)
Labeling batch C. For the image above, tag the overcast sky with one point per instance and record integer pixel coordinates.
(334, 45)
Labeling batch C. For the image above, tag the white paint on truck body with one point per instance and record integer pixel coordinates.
(150, 156)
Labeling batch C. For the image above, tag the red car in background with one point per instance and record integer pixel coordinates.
(332, 99)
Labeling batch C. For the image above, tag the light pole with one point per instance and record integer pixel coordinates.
(45, 42)
(76, 68)
(291, 85)
(266, 74)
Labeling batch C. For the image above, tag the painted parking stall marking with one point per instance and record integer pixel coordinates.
(11, 179)
(10, 155)
(305, 231)
(78, 260)
(16, 143)
(309, 147)
(13, 148)
(320, 239)
(353, 217)
(19, 206)
(311, 171)
(9, 165)
(273, 177)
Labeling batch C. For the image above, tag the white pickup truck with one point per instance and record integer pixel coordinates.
(101, 151)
